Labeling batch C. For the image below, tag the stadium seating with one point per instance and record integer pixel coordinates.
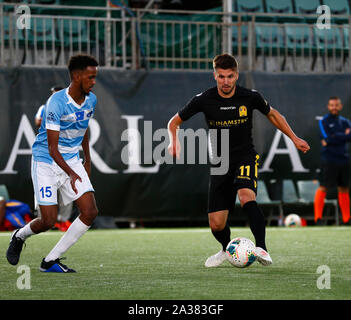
(250, 7)
(269, 40)
(281, 7)
(338, 6)
(179, 44)
(10, 30)
(300, 39)
(307, 7)
(243, 32)
(304, 197)
(263, 200)
(329, 41)
(289, 194)
(307, 190)
(42, 33)
(74, 33)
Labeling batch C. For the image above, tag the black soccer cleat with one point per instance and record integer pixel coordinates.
(14, 250)
(55, 266)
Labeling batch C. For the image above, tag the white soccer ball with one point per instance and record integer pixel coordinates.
(241, 252)
(292, 220)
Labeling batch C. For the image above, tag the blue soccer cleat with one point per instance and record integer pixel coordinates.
(54, 266)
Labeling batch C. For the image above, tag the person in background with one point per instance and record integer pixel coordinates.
(39, 115)
(335, 132)
(14, 214)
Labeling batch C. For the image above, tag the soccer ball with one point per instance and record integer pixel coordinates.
(240, 252)
(292, 220)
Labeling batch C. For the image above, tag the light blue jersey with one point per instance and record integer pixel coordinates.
(63, 114)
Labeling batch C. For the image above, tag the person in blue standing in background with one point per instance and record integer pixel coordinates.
(335, 132)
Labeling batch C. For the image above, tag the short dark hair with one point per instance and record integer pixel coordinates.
(81, 62)
(225, 61)
(334, 98)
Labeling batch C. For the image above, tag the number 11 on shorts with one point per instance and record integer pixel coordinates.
(46, 193)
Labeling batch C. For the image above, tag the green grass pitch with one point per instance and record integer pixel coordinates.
(168, 264)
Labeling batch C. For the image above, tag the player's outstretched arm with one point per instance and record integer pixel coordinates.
(53, 138)
(174, 144)
(280, 123)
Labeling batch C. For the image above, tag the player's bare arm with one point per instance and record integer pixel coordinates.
(53, 138)
(280, 123)
(174, 144)
(86, 151)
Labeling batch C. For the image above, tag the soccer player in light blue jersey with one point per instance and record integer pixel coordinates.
(56, 164)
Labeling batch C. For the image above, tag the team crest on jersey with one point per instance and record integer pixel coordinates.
(51, 117)
(242, 111)
(78, 116)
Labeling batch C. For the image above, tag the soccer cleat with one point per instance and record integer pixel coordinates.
(55, 266)
(14, 250)
(216, 260)
(263, 256)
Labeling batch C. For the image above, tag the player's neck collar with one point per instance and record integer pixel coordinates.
(71, 100)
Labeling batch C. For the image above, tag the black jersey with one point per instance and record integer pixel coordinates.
(233, 113)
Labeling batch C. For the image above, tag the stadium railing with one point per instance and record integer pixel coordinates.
(276, 40)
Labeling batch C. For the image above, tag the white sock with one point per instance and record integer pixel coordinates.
(71, 236)
(25, 232)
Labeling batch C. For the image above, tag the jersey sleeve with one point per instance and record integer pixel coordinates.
(191, 108)
(53, 114)
(261, 104)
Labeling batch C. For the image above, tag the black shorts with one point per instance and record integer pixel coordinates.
(242, 173)
(334, 175)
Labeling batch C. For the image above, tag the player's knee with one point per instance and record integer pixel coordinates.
(90, 213)
(217, 225)
(246, 199)
(246, 195)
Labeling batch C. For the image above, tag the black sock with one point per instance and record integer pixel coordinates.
(223, 236)
(257, 223)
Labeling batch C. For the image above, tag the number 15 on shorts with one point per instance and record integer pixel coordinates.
(45, 192)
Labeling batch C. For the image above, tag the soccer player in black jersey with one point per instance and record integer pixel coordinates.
(230, 106)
